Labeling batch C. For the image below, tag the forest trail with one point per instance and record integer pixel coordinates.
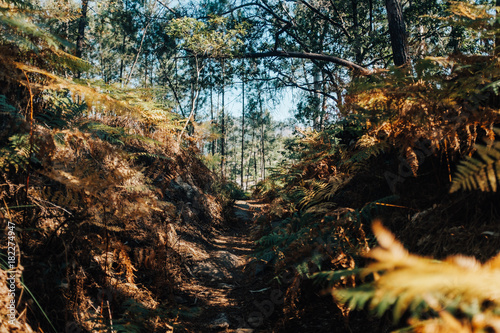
(221, 288)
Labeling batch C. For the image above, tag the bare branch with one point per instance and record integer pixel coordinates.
(310, 56)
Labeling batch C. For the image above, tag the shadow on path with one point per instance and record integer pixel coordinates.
(220, 287)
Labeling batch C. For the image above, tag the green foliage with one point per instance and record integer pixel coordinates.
(306, 239)
(133, 317)
(6, 108)
(114, 135)
(230, 191)
(266, 189)
(18, 153)
(483, 174)
(61, 111)
(24, 28)
(358, 160)
(213, 37)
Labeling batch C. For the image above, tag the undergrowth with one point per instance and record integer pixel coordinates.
(393, 156)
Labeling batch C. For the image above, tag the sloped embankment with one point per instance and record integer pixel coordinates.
(102, 224)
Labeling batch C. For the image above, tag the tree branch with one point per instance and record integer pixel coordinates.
(310, 56)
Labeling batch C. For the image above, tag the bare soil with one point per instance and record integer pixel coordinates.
(222, 291)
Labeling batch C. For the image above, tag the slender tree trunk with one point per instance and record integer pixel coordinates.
(82, 24)
(263, 152)
(242, 129)
(323, 104)
(255, 165)
(250, 158)
(138, 53)
(223, 129)
(212, 143)
(122, 61)
(195, 91)
(254, 158)
(497, 27)
(146, 71)
(317, 98)
(397, 31)
(262, 140)
(370, 3)
(355, 23)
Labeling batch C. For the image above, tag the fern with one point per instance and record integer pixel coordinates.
(18, 153)
(483, 174)
(359, 159)
(320, 191)
(405, 282)
(114, 135)
(8, 109)
(61, 111)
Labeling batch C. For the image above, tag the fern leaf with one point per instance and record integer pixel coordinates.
(330, 277)
(359, 159)
(408, 282)
(481, 173)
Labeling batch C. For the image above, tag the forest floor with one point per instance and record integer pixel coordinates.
(228, 295)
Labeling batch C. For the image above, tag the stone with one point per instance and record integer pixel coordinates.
(221, 321)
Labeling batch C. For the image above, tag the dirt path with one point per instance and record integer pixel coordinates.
(221, 287)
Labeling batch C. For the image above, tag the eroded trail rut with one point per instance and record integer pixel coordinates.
(221, 286)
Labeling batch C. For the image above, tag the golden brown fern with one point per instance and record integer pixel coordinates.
(458, 292)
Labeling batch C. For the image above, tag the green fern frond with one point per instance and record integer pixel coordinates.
(320, 191)
(481, 174)
(371, 209)
(61, 111)
(114, 135)
(7, 109)
(18, 153)
(359, 159)
(331, 277)
(150, 156)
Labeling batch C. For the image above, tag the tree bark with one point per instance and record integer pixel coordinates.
(310, 56)
(195, 91)
(138, 53)
(397, 31)
(250, 158)
(497, 26)
(262, 141)
(82, 24)
(212, 143)
(223, 130)
(242, 129)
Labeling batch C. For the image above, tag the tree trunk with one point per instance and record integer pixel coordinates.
(355, 25)
(262, 140)
(254, 158)
(370, 2)
(82, 24)
(222, 129)
(263, 152)
(212, 143)
(242, 129)
(250, 158)
(317, 107)
(195, 91)
(397, 31)
(323, 104)
(138, 53)
(497, 26)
